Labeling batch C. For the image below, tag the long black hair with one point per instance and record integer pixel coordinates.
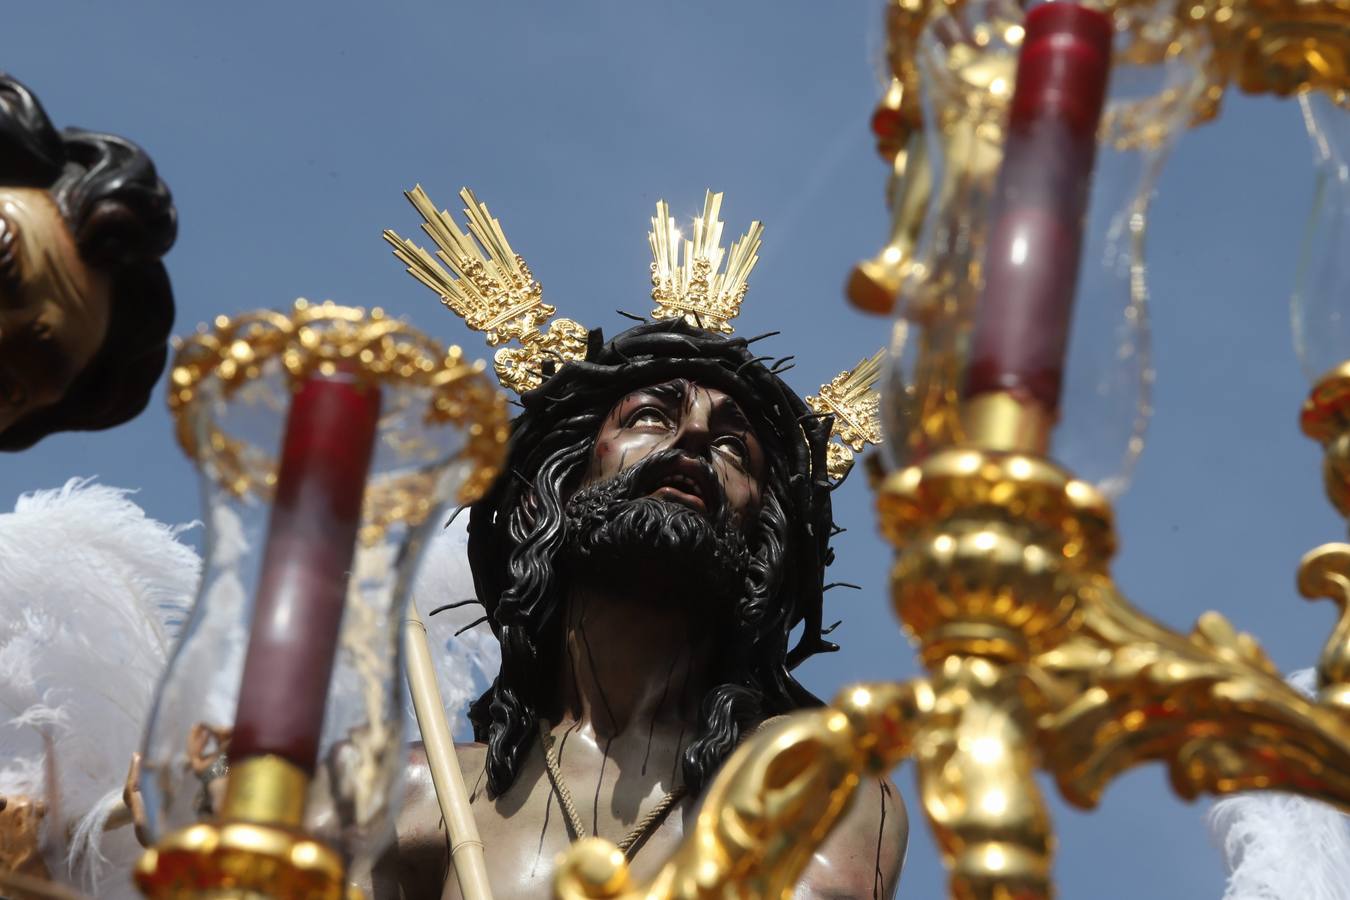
(517, 530)
(123, 219)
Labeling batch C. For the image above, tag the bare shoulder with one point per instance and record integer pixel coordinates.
(864, 854)
(417, 861)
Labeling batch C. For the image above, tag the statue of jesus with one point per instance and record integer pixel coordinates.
(655, 539)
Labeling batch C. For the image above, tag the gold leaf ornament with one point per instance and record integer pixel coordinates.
(483, 281)
(686, 277)
(851, 397)
(480, 278)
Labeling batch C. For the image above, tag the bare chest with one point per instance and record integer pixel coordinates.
(610, 791)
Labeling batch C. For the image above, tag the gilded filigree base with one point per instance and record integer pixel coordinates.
(239, 860)
(256, 849)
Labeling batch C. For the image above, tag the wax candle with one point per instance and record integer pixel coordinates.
(311, 538)
(1036, 218)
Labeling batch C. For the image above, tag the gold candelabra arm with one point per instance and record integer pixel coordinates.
(1037, 661)
(774, 802)
(1210, 705)
(874, 284)
(1325, 572)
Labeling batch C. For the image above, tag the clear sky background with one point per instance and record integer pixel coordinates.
(287, 132)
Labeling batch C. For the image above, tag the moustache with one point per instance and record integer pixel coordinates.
(672, 476)
(632, 512)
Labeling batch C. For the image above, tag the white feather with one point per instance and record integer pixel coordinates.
(1280, 846)
(90, 592)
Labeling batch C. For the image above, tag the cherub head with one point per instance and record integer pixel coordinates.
(85, 303)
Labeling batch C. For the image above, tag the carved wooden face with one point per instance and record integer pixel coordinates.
(53, 307)
(703, 422)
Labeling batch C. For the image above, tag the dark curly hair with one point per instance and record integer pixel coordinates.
(123, 220)
(517, 530)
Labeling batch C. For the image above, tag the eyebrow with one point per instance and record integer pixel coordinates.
(730, 411)
(674, 391)
(678, 391)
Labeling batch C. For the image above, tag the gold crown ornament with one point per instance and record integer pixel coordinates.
(851, 397)
(482, 280)
(694, 287)
(489, 286)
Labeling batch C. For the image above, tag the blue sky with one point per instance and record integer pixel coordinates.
(288, 131)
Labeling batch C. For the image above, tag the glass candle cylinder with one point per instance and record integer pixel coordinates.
(1321, 301)
(328, 441)
(311, 539)
(1036, 226)
(966, 58)
(1160, 76)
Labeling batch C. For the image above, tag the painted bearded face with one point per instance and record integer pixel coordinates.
(53, 307)
(674, 486)
(716, 464)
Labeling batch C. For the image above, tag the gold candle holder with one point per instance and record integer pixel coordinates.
(292, 821)
(1035, 660)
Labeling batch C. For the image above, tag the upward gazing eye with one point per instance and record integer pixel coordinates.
(648, 416)
(11, 272)
(732, 446)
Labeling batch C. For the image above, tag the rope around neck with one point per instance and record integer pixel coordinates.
(637, 835)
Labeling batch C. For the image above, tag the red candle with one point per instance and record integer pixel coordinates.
(1031, 257)
(311, 537)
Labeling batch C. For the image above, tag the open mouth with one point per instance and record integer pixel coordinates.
(686, 483)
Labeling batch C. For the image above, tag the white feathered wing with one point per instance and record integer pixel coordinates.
(92, 592)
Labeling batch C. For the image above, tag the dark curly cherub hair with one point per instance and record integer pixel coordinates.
(123, 220)
(517, 530)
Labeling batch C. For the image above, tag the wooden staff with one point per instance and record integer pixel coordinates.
(466, 848)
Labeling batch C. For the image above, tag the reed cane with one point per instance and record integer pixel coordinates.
(466, 848)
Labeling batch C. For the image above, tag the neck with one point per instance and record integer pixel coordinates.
(632, 659)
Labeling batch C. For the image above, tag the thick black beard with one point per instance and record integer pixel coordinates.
(644, 541)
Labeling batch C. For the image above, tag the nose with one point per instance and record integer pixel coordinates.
(694, 435)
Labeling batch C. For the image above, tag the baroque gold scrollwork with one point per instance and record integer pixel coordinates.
(1325, 572)
(1210, 705)
(1005, 553)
